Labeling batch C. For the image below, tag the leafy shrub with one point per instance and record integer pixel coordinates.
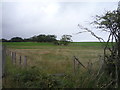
(33, 78)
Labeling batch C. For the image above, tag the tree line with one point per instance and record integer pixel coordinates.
(65, 39)
(39, 38)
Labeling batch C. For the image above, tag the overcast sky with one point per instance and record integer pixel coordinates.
(26, 19)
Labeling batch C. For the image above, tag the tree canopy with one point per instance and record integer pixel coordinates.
(39, 38)
(16, 39)
(43, 38)
(110, 22)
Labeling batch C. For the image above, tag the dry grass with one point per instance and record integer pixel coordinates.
(58, 59)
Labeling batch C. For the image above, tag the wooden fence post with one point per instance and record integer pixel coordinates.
(3, 60)
(25, 60)
(12, 56)
(15, 57)
(20, 60)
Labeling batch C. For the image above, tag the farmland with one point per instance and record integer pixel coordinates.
(53, 59)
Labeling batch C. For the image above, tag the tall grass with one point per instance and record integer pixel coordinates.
(57, 59)
(46, 60)
(33, 77)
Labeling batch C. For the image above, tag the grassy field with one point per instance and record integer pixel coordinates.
(53, 59)
(49, 44)
(34, 45)
(57, 58)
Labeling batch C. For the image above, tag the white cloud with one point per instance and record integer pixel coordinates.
(60, 0)
(27, 19)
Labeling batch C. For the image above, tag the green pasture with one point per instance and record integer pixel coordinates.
(57, 58)
(35, 45)
(26, 44)
(53, 59)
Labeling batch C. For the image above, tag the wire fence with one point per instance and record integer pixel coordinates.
(16, 59)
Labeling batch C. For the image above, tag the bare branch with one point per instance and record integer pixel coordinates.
(92, 33)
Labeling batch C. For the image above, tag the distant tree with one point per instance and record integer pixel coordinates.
(66, 39)
(16, 39)
(57, 42)
(41, 38)
(27, 40)
(45, 38)
(50, 38)
(4, 40)
(34, 39)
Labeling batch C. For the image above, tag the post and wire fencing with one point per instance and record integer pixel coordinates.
(16, 59)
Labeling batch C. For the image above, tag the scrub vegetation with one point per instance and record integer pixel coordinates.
(51, 66)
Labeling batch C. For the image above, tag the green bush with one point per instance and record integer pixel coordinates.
(33, 78)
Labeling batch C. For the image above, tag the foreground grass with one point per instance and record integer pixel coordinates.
(50, 59)
(58, 59)
(32, 77)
